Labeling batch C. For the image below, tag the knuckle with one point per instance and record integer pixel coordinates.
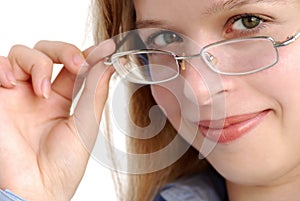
(16, 48)
(59, 51)
(41, 66)
(62, 46)
(4, 62)
(68, 48)
(44, 62)
(39, 44)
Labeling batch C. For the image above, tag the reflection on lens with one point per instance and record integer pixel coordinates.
(147, 66)
(240, 56)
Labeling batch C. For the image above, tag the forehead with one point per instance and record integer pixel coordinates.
(174, 13)
(204, 6)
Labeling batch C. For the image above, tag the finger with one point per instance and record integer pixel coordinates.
(70, 143)
(68, 84)
(73, 148)
(67, 54)
(88, 112)
(30, 63)
(92, 54)
(62, 53)
(89, 50)
(7, 79)
(81, 129)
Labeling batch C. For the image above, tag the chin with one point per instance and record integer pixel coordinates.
(255, 172)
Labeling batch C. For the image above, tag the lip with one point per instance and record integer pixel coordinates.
(231, 128)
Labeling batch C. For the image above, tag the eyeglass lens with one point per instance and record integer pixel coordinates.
(149, 66)
(241, 56)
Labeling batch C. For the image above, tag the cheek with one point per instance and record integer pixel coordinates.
(168, 102)
(287, 87)
(283, 79)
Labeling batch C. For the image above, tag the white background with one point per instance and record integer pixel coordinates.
(28, 21)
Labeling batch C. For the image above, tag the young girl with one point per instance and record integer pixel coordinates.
(237, 85)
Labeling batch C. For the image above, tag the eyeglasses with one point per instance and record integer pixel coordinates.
(233, 57)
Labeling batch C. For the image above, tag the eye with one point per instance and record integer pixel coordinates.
(247, 25)
(246, 22)
(163, 38)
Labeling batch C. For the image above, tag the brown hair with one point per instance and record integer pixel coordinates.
(112, 17)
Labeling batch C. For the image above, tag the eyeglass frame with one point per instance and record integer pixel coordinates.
(290, 39)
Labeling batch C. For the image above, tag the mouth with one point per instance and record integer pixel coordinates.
(231, 128)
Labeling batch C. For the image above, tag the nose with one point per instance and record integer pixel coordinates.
(202, 83)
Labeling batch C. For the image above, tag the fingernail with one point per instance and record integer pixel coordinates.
(11, 78)
(78, 60)
(46, 88)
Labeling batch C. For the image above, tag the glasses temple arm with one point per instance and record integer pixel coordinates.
(288, 41)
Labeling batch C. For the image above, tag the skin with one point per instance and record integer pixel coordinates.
(264, 164)
(42, 156)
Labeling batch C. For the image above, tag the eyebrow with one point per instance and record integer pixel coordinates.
(231, 4)
(152, 23)
(215, 8)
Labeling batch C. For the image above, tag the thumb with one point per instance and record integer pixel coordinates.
(88, 111)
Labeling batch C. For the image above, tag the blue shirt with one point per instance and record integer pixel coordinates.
(207, 186)
(9, 196)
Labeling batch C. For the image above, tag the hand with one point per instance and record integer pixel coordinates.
(43, 149)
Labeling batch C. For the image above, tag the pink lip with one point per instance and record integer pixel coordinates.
(231, 128)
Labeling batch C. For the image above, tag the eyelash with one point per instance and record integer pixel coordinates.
(150, 40)
(246, 32)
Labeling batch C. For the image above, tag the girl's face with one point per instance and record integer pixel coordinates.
(260, 134)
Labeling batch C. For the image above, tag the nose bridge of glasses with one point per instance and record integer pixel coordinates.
(185, 59)
(206, 59)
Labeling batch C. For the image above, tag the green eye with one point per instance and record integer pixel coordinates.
(247, 22)
(170, 38)
(251, 22)
(164, 38)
